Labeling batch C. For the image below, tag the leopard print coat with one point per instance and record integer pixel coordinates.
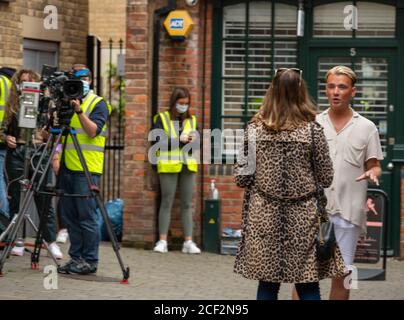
(279, 219)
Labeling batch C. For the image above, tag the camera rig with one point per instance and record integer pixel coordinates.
(58, 88)
(48, 103)
(52, 97)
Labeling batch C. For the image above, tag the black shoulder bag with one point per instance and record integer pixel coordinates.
(325, 240)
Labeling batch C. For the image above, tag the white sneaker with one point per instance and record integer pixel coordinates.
(62, 236)
(161, 246)
(190, 247)
(18, 250)
(55, 250)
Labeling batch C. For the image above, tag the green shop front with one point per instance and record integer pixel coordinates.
(251, 39)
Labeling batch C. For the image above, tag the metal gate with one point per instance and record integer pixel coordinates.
(107, 64)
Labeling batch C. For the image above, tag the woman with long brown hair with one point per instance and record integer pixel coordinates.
(279, 219)
(175, 166)
(16, 139)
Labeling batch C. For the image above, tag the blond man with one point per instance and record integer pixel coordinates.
(355, 151)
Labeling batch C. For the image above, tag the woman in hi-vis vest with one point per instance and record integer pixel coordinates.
(176, 166)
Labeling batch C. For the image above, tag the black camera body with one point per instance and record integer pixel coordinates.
(59, 88)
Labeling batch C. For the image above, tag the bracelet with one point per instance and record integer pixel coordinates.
(79, 112)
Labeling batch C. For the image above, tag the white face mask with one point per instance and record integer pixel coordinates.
(181, 108)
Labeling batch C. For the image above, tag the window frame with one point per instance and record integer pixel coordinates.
(315, 3)
(42, 46)
(218, 78)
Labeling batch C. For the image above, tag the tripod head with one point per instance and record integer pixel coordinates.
(60, 117)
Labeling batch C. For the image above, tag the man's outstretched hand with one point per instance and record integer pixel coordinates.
(369, 175)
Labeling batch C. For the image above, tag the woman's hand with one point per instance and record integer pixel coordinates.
(56, 164)
(11, 142)
(192, 136)
(44, 133)
(184, 138)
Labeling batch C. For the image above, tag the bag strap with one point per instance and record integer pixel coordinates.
(319, 189)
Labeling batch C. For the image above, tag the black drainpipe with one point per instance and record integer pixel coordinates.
(205, 20)
(158, 13)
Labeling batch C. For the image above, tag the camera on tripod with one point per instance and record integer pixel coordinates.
(48, 103)
(58, 89)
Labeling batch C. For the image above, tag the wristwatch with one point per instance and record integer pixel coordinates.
(79, 112)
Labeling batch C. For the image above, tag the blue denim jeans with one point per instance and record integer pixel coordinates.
(306, 291)
(15, 171)
(4, 209)
(79, 215)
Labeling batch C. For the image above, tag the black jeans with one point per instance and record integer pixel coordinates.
(15, 170)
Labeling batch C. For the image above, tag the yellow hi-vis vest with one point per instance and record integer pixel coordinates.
(171, 161)
(5, 85)
(92, 148)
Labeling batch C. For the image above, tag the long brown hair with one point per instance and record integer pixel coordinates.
(287, 103)
(13, 104)
(179, 93)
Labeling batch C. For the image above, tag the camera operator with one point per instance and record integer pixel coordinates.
(79, 214)
(5, 85)
(15, 138)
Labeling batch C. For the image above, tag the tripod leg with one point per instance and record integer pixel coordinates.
(13, 233)
(27, 201)
(96, 194)
(8, 229)
(43, 204)
(43, 211)
(38, 244)
(43, 241)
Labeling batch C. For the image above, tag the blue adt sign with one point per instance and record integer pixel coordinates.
(177, 23)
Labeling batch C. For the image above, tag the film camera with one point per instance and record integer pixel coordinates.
(48, 103)
(59, 89)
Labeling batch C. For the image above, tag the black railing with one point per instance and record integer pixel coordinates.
(111, 179)
(113, 164)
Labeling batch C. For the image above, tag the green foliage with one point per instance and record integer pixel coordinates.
(117, 83)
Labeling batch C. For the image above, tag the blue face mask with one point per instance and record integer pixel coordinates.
(86, 87)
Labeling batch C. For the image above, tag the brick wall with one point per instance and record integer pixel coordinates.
(139, 220)
(107, 20)
(73, 22)
(181, 64)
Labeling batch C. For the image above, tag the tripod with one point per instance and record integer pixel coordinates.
(18, 219)
(35, 188)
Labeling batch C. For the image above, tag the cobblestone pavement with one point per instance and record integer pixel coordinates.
(172, 276)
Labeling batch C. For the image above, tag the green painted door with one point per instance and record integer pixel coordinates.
(375, 99)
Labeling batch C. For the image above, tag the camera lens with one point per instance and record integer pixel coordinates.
(73, 89)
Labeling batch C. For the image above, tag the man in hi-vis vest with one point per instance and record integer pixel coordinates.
(79, 214)
(5, 85)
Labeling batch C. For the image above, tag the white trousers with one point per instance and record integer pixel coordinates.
(347, 236)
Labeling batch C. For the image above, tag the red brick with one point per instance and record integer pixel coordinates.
(180, 64)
